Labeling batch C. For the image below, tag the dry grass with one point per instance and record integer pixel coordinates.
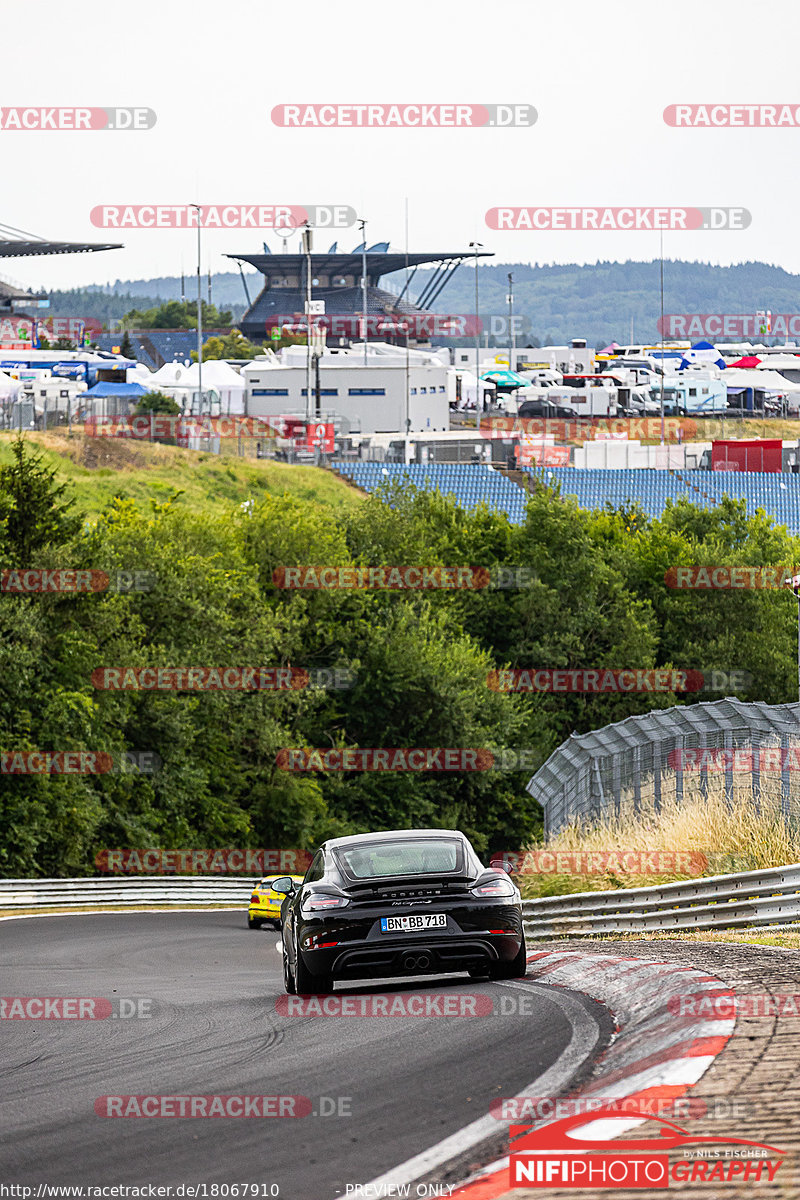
(733, 837)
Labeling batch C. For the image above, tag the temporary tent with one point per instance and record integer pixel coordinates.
(219, 380)
(139, 374)
(469, 389)
(130, 391)
(8, 387)
(702, 352)
(505, 379)
(757, 380)
(169, 374)
(749, 362)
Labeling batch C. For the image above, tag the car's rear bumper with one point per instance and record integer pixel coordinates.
(264, 912)
(418, 955)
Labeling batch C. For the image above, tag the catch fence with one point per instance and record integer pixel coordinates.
(730, 749)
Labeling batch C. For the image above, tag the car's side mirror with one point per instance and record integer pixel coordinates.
(284, 886)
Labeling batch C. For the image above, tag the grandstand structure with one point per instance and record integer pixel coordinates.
(777, 493)
(16, 243)
(470, 484)
(336, 279)
(154, 347)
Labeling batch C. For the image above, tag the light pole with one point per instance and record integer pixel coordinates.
(363, 225)
(662, 339)
(199, 314)
(307, 243)
(512, 340)
(476, 246)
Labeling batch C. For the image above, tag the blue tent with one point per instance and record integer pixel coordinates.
(702, 352)
(132, 390)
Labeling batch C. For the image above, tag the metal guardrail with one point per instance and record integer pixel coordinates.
(753, 898)
(154, 890)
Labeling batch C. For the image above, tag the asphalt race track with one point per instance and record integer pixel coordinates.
(402, 1083)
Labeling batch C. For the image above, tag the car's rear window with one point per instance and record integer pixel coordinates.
(414, 857)
(267, 883)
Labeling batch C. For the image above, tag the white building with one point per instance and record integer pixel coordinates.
(372, 398)
(575, 359)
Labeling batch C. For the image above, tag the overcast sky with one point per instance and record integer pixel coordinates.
(598, 73)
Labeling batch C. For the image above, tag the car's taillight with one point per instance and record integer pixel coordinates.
(320, 902)
(255, 898)
(494, 887)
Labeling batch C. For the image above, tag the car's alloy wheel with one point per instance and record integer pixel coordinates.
(288, 977)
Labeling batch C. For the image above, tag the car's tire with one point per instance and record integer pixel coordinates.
(253, 923)
(288, 978)
(516, 969)
(306, 983)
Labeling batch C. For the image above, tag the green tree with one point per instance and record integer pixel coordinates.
(157, 402)
(33, 506)
(126, 346)
(177, 314)
(231, 345)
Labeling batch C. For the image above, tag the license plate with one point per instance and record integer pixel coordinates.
(413, 924)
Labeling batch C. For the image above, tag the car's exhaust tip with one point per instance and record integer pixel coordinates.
(416, 962)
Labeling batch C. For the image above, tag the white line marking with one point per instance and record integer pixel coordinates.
(585, 1036)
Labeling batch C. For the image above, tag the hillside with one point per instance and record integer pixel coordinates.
(597, 301)
(100, 469)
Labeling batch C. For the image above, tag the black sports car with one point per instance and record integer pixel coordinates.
(405, 902)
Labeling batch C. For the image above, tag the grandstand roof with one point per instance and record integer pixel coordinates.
(380, 263)
(16, 243)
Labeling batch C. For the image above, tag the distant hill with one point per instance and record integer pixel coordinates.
(596, 301)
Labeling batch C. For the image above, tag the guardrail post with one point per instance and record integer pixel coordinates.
(616, 782)
(637, 780)
(597, 798)
(755, 776)
(786, 783)
(679, 771)
(657, 776)
(728, 744)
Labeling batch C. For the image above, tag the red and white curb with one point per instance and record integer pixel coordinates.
(657, 1053)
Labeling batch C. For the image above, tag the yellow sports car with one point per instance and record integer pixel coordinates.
(265, 905)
